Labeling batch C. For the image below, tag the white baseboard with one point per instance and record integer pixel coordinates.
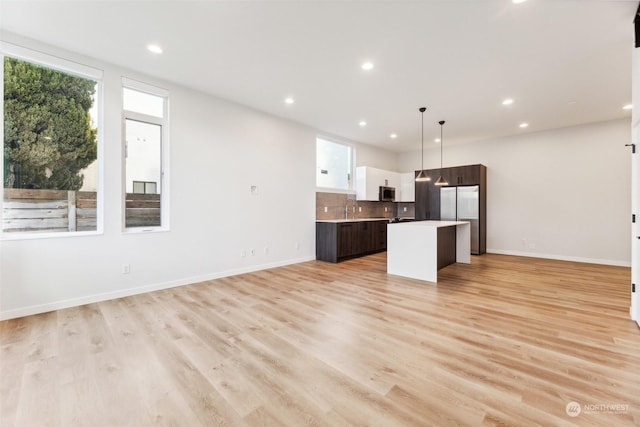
(105, 296)
(562, 257)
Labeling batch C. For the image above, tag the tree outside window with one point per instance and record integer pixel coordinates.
(50, 146)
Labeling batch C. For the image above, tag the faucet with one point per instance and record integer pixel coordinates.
(346, 209)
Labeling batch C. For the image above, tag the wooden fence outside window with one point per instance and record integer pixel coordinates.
(27, 210)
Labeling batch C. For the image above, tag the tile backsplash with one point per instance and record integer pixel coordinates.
(335, 204)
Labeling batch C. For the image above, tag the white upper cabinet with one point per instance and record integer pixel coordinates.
(369, 180)
(407, 187)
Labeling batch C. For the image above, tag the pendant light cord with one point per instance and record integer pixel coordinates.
(422, 176)
(441, 143)
(422, 137)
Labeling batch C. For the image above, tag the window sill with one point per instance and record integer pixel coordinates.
(145, 230)
(6, 236)
(334, 190)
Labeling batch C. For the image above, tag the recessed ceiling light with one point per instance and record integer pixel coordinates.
(367, 66)
(524, 125)
(393, 136)
(628, 107)
(437, 140)
(507, 101)
(154, 48)
(518, 1)
(362, 123)
(289, 100)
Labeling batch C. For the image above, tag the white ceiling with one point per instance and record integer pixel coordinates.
(564, 62)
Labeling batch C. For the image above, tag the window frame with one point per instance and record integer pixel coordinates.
(352, 165)
(163, 122)
(144, 186)
(76, 69)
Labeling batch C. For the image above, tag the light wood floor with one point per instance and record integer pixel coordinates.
(504, 341)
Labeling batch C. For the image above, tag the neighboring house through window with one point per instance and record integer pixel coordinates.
(145, 122)
(142, 187)
(334, 165)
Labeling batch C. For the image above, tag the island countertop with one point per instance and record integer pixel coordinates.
(431, 223)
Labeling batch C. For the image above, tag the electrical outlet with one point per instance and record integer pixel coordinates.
(405, 209)
(126, 268)
(326, 209)
(386, 209)
(252, 251)
(297, 246)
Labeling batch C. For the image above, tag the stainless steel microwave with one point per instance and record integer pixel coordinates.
(387, 194)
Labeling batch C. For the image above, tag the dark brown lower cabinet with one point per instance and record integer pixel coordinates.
(446, 246)
(347, 244)
(343, 240)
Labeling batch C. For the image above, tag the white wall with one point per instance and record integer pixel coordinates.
(375, 157)
(218, 150)
(555, 194)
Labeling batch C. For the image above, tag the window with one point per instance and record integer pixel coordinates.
(141, 187)
(145, 125)
(51, 144)
(334, 165)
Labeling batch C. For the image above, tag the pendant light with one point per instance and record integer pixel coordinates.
(441, 180)
(422, 177)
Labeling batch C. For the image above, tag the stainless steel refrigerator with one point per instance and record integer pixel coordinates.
(462, 203)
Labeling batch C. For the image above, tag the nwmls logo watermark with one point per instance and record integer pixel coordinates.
(605, 408)
(573, 409)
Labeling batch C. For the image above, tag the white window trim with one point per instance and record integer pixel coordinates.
(164, 150)
(144, 87)
(73, 68)
(50, 61)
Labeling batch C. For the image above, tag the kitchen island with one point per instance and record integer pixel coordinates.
(419, 249)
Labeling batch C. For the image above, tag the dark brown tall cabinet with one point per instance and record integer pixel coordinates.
(428, 195)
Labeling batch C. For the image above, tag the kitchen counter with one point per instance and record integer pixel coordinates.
(419, 249)
(338, 221)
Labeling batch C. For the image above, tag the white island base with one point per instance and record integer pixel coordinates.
(419, 249)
